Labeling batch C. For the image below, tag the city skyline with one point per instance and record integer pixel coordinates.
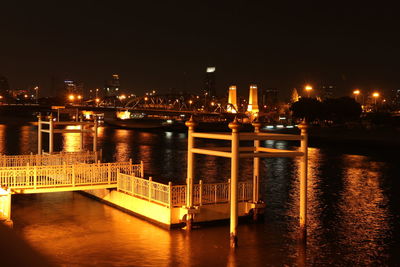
(170, 45)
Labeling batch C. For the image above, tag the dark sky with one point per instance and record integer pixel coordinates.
(169, 44)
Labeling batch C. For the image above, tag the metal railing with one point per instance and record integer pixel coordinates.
(34, 177)
(48, 159)
(146, 189)
(175, 195)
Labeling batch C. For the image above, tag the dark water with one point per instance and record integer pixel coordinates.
(354, 209)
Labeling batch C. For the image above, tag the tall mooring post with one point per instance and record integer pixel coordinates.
(303, 180)
(82, 128)
(39, 134)
(256, 164)
(234, 126)
(95, 134)
(5, 206)
(190, 173)
(51, 134)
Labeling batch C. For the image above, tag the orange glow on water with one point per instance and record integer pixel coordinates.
(72, 141)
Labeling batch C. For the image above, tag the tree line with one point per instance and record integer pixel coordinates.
(331, 110)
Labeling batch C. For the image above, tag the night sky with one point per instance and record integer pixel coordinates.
(169, 45)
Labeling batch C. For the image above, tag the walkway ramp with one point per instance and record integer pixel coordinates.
(56, 178)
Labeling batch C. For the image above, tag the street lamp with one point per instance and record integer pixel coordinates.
(356, 93)
(37, 93)
(375, 95)
(308, 89)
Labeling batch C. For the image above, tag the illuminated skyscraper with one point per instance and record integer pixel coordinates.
(112, 87)
(209, 82)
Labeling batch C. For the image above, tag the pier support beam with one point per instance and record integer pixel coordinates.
(256, 170)
(95, 134)
(234, 126)
(51, 135)
(82, 126)
(190, 173)
(5, 207)
(39, 134)
(303, 180)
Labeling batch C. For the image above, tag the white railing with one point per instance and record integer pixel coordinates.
(34, 177)
(48, 159)
(146, 189)
(204, 194)
(175, 195)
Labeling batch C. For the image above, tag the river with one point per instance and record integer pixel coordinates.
(354, 208)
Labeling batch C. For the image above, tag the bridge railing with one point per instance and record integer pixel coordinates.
(34, 177)
(48, 159)
(175, 195)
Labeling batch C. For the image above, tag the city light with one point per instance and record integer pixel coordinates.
(308, 89)
(79, 97)
(97, 100)
(71, 97)
(356, 93)
(375, 95)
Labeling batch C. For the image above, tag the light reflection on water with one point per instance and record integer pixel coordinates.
(352, 211)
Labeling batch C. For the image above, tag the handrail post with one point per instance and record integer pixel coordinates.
(73, 175)
(109, 173)
(118, 180)
(150, 181)
(200, 192)
(170, 195)
(215, 193)
(35, 177)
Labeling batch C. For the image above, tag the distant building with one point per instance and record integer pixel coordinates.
(327, 91)
(112, 87)
(269, 97)
(73, 88)
(396, 98)
(209, 82)
(4, 86)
